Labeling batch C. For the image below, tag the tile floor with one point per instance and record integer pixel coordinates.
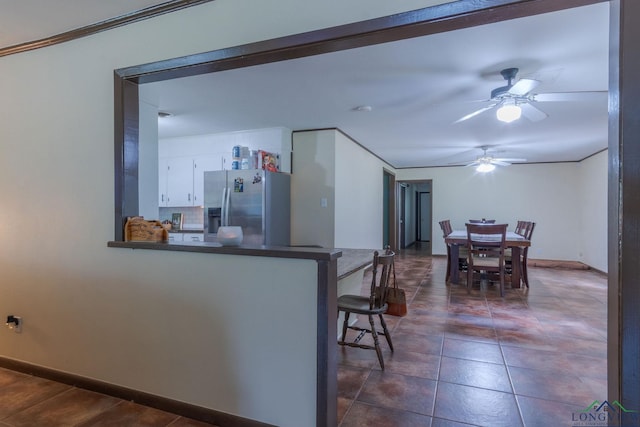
(27, 401)
(530, 359)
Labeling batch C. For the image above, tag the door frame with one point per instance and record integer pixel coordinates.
(624, 131)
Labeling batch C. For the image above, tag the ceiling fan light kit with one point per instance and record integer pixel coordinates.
(485, 167)
(487, 162)
(516, 99)
(509, 112)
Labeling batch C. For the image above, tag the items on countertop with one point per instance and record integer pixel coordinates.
(138, 229)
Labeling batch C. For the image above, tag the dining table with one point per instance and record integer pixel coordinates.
(458, 238)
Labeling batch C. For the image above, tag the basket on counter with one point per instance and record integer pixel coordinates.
(138, 229)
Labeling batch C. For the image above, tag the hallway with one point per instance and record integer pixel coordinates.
(533, 358)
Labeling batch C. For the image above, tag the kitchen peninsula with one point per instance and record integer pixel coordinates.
(254, 316)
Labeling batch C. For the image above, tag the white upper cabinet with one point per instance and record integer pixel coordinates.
(200, 166)
(163, 169)
(180, 181)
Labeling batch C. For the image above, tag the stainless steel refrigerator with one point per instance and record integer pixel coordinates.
(255, 199)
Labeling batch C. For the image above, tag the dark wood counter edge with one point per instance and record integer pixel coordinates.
(318, 254)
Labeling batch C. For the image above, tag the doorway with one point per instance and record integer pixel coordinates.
(388, 210)
(423, 224)
(415, 215)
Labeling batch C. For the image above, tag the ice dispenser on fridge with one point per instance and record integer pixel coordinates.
(214, 220)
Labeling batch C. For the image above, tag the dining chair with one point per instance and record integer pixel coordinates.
(383, 276)
(445, 225)
(486, 247)
(525, 253)
(482, 221)
(521, 228)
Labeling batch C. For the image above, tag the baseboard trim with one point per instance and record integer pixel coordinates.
(187, 410)
(549, 263)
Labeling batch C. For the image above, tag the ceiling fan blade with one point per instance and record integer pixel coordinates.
(523, 87)
(600, 95)
(499, 162)
(511, 160)
(532, 113)
(475, 113)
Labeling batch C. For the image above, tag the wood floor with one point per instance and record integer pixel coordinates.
(533, 358)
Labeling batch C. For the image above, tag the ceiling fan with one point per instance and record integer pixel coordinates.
(486, 162)
(516, 99)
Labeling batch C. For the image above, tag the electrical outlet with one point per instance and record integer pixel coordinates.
(14, 323)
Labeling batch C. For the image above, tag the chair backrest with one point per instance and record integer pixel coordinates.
(520, 227)
(383, 276)
(486, 236)
(529, 230)
(445, 225)
(482, 221)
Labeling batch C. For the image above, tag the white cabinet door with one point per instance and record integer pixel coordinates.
(163, 197)
(200, 166)
(175, 237)
(180, 181)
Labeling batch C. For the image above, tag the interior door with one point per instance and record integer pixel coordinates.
(403, 210)
(424, 216)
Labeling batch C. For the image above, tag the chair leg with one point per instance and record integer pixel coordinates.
(387, 335)
(469, 279)
(502, 283)
(448, 273)
(344, 326)
(376, 341)
(523, 271)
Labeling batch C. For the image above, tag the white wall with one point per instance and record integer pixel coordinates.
(111, 314)
(358, 209)
(329, 166)
(549, 194)
(592, 211)
(313, 183)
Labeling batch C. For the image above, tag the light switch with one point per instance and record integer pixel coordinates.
(323, 202)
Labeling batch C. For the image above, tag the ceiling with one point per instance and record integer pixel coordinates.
(416, 88)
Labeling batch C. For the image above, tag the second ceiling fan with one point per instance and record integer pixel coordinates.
(516, 99)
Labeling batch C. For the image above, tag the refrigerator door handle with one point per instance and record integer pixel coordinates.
(224, 210)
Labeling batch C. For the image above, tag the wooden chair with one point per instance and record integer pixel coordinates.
(521, 227)
(486, 246)
(525, 252)
(383, 275)
(445, 226)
